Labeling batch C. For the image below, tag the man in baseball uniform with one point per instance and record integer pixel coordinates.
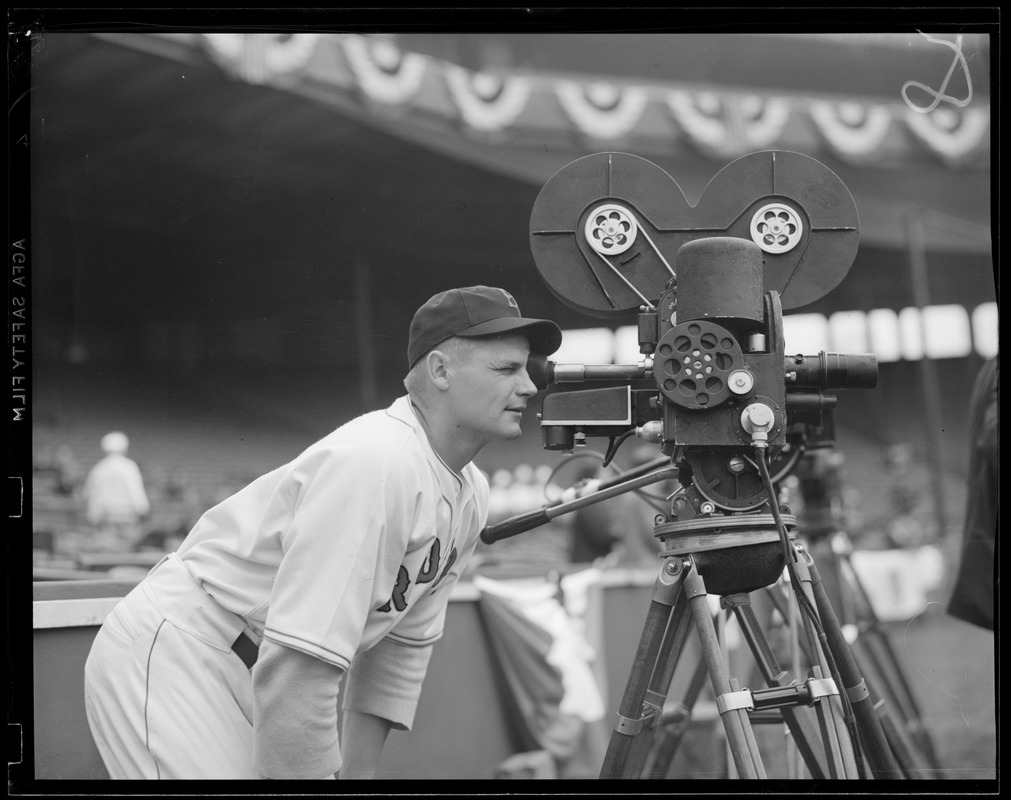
(328, 577)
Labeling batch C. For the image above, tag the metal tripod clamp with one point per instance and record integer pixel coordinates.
(807, 693)
(736, 701)
(858, 693)
(669, 581)
(822, 687)
(628, 726)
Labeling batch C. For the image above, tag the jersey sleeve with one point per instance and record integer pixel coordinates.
(295, 731)
(351, 519)
(386, 681)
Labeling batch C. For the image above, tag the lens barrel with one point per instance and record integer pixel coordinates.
(832, 371)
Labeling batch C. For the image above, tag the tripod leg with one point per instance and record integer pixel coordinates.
(879, 754)
(734, 715)
(899, 688)
(835, 736)
(837, 731)
(800, 728)
(749, 734)
(900, 729)
(655, 697)
(630, 719)
(902, 746)
(672, 730)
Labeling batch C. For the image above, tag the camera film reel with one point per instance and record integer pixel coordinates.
(605, 229)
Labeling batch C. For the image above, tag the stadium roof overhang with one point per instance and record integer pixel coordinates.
(427, 151)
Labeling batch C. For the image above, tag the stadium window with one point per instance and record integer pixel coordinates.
(586, 346)
(626, 345)
(946, 332)
(984, 329)
(848, 331)
(911, 332)
(805, 333)
(885, 335)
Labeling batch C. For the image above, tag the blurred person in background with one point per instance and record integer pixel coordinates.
(974, 593)
(596, 529)
(115, 497)
(910, 523)
(619, 531)
(68, 472)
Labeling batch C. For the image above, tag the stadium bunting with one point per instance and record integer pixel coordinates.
(385, 73)
(729, 125)
(949, 133)
(718, 122)
(602, 110)
(487, 102)
(851, 129)
(259, 59)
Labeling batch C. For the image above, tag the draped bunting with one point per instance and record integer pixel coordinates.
(729, 125)
(852, 129)
(539, 632)
(950, 133)
(720, 123)
(263, 57)
(764, 119)
(487, 102)
(384, 72)
(602, 110)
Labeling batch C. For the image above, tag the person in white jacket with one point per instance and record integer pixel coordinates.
(329, 576)
(115, 498)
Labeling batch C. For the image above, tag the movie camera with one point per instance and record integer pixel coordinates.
(613, 236)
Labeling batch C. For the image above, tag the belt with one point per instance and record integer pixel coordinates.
(246, 649)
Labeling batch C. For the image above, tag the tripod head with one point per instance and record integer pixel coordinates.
(613, 236)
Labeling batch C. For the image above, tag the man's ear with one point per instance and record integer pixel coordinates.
(437, 369)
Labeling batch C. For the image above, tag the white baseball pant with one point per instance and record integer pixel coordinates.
(165, 694)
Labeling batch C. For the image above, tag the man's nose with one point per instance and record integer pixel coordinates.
(527, 387)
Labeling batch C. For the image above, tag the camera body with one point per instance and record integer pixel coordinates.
(612, 235)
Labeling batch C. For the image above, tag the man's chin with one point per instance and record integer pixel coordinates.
(512, 432)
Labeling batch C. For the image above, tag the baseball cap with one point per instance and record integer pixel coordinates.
(476, 311)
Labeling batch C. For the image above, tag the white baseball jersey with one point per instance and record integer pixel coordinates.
(360, 537)
(348, 553)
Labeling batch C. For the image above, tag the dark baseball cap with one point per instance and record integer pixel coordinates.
(476, 311)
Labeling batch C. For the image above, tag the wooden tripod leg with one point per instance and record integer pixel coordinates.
(804, 736)
(656, 693)
(672, 730)
(630, 710)
(837, 734)
(875, 640)
(735, 718)
(879, 754)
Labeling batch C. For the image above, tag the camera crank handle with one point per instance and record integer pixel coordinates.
(536, 518)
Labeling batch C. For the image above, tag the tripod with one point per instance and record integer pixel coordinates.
(820, 484)
(830, 715)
